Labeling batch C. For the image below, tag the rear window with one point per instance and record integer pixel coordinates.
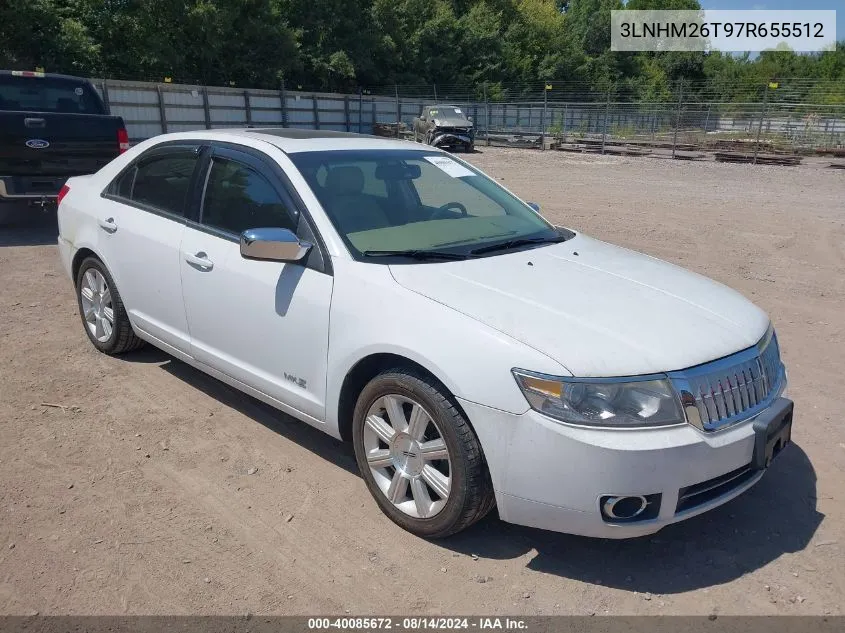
(48, 94)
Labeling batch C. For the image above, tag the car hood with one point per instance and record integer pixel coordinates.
(597, 309)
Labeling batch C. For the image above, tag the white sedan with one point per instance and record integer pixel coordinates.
(396, 297)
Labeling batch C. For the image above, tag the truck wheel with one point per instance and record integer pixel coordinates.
(101, 308)
(418, 455)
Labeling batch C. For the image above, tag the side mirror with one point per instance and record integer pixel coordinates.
(469, 118)
(534, 206)
(273, 244)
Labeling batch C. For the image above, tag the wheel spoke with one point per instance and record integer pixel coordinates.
(379, 458)
(438, 481)
(101, 283)
(107, 328)
(434, 449)
(108, 315)
(381, 428)
(398, 488)
(418, 422)
(90, 280)
(395, 413)
(89, 313)
(421, 497)
(99, 330)
(87, 293)
(106, 297)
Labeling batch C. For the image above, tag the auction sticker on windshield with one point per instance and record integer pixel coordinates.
(455, 170)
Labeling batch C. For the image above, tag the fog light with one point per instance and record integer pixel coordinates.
(629, 509)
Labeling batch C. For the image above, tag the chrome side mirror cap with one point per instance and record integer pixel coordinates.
(534, 206)
(273, 244)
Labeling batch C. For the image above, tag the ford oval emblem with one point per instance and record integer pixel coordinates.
(37, 143)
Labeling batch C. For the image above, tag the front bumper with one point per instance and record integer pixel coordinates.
(449, 139)
(552, 476)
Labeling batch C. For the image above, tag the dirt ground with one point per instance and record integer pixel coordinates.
(136, 499)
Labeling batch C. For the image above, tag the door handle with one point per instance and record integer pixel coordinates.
(34, 122)
(200, 260)
(108, 225)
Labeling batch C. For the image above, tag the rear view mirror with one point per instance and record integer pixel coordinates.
(273, 244)
(398, 172)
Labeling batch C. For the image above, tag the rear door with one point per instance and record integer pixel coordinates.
(142, 221)
(263, 323)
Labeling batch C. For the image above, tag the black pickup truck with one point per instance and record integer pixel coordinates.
(52, 127)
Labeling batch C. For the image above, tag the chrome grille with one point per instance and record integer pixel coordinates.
(732, 389)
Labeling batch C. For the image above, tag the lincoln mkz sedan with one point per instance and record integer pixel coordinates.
(394, 296)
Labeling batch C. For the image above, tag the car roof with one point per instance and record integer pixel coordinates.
(293, 140)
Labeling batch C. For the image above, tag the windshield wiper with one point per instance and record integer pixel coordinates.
(523, 241)
(416, 254)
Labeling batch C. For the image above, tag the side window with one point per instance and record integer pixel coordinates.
(239, 198)
(161, 181)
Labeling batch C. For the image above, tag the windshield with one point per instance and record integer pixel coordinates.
(415, 200)
(447, 112)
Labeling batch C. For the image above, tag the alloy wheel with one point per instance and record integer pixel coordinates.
(97, 307)
(407, 456)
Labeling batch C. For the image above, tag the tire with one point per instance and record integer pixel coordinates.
(419, 505)
(92, 282)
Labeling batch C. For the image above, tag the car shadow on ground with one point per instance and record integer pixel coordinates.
(37, 229)
(316, 441)
(775, 517)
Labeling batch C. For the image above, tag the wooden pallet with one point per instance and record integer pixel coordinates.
(762, 159)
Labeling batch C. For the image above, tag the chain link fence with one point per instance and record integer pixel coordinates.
(775, 122)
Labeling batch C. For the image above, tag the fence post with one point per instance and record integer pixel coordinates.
(104, 87)
(205, 107)
(316, 111)
(486, 116)
(435, 93)
(760, 126)
(678, 117)
(606, 115)
(563, 126)
(543, 118)
(284, 99)
(346, 111)
(162, 115)
(248, 109)
(398, 110)
(707, 118)
(360, 110)
(375, 118)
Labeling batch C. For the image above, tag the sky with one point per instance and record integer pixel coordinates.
(780, 5)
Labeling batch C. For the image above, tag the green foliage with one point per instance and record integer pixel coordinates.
(497, 48)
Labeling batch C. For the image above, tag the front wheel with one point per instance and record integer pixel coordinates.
(418, 455)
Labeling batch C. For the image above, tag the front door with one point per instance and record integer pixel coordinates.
(263, 323)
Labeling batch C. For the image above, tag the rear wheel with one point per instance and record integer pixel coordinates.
(418, 455)
(101, 308)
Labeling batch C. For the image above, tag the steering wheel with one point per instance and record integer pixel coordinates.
(441, 211)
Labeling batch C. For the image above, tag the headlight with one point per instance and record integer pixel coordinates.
(624, 403)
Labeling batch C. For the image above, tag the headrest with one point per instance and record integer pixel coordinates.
(345, 180)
